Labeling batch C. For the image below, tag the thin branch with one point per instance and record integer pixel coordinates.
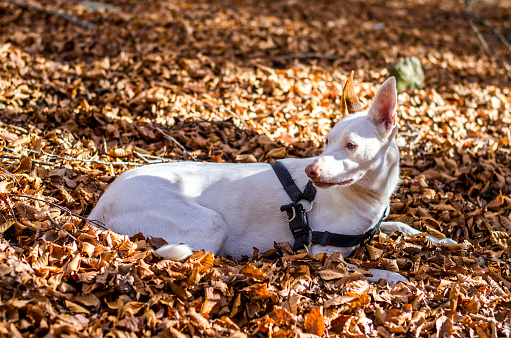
(52, 221)
(33, 160)
(476, 30)
(65, 16)
(141, 156)
(157, 158)
(482, 40)
(76, 159)
(10, 175)
(497, 33)
(8, 204)
(97, 223)
(494, 30)
(167, 136)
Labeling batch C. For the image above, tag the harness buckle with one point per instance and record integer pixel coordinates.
(287, 219)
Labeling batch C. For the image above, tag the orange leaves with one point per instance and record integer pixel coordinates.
(360, 301)
(346, 326)
(257, 291)
(314, 322)
(499, 201)
(78, 109)
(253, 272)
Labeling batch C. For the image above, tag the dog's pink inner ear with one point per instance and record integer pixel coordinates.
(383, 109)
(349, 101)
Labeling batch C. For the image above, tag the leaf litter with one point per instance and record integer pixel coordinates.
(248, 82)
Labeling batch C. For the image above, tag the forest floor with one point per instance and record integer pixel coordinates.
(241, 81)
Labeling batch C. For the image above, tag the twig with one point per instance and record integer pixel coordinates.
(157, 159)
(65, 16)
(74, 159)
(33, 160)
(141, 156)
(8, 204)
(496, 32)
(11, 175)
(52, 221)
(95, 222)
(476, 30)
(301, 56)
(167, 136)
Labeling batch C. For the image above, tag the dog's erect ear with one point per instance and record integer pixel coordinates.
(383, 109)
(349, 100)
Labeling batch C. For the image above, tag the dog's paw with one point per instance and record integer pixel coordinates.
(391, 277)
(175, 252)
(443, 241)
(377, 274)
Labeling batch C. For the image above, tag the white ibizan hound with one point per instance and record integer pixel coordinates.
(230, 208)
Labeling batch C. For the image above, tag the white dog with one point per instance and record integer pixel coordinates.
(230, 208)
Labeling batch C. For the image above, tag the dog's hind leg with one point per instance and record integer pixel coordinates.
(390, 227)
(169, 215)
(198, 227)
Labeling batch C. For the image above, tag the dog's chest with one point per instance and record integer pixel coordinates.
(349, 215)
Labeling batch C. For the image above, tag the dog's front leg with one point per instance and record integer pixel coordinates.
(391, 277)
(390, 227)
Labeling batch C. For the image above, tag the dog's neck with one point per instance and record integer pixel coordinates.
(380, 182)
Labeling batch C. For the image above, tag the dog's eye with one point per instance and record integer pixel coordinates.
(326, 141)
(351, 145)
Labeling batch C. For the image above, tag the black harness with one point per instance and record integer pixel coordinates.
(296, 216)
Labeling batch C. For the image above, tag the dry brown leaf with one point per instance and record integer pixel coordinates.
(88, 300)
(331, 274)
(314, 322)
(76, 308)
(227, 93)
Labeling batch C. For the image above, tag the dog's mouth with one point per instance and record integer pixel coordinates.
(325, 185)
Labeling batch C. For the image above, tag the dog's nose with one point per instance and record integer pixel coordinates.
(313, 170)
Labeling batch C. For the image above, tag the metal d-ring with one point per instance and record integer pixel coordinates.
(292, 218)
(310, 208)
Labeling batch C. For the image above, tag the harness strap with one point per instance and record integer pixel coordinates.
(290, 186)
(296, 216)
(339, 240)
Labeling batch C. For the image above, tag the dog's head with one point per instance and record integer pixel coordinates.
(359, 142)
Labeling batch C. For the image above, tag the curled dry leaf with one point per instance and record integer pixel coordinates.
(119, 152)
